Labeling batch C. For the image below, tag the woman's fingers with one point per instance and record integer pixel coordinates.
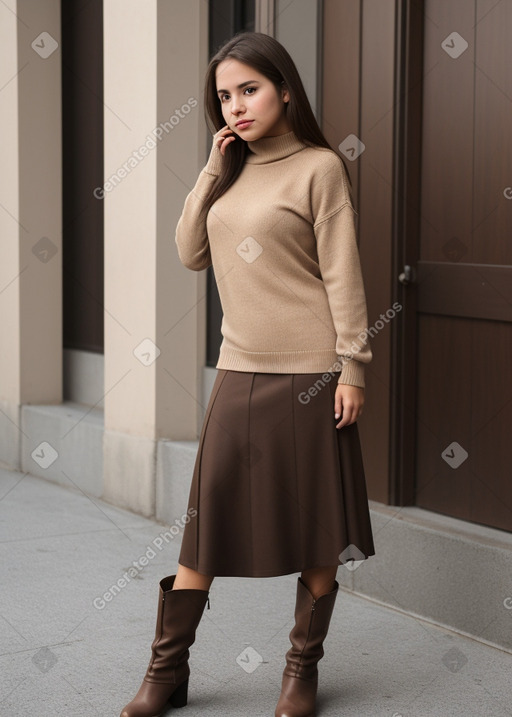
(338, 405)
(225, 144)
(350, 415)
(223, 138)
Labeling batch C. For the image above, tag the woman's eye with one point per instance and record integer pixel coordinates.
(223, 97)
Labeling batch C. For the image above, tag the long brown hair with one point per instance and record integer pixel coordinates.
(266, 55)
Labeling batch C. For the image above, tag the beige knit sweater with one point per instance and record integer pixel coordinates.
(283, 246)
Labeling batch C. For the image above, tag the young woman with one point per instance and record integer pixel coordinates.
(278, 484)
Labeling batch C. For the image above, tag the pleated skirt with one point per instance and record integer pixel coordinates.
(276, 487)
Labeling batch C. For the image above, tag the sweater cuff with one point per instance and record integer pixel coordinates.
(352, 374)
(214, 164)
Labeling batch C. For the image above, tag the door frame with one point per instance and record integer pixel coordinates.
(407, 132)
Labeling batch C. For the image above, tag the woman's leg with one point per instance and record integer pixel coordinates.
(320, 581)
(188, 579)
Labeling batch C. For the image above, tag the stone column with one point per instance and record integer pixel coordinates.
(155, 56)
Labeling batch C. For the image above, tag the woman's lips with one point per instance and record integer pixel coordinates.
(245, 124)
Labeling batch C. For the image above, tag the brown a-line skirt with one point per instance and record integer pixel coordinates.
(276, 487)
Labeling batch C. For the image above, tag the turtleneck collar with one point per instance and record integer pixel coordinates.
(270, 149)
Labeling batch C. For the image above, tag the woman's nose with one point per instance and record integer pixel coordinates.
(236, 106)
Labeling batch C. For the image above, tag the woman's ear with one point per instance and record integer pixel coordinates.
(285, 95)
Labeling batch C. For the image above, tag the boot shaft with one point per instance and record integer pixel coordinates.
(312, 621)
(179, 613)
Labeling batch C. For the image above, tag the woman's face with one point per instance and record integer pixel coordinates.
(257, 101)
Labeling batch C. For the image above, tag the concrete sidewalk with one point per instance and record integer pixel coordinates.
(76, 644)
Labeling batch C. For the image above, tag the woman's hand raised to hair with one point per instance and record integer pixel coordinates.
(223, 138)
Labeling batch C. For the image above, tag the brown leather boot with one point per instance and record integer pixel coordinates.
(300, 676)
(166, 679)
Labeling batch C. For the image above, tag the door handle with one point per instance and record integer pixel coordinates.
(408, 275)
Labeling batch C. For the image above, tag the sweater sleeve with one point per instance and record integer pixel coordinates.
(191, 235)
(340, 266)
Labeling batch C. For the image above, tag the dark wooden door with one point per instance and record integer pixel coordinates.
(464, 274)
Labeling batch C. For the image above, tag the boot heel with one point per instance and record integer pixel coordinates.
(180, 695)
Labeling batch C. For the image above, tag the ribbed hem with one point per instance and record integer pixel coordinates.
(315, 361)
(352, 373)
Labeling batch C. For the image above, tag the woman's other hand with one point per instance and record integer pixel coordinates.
(348, 403)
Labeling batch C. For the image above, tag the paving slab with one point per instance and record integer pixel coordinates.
(68, 651)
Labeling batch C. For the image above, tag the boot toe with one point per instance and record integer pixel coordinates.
(297, 699)
(150, 701)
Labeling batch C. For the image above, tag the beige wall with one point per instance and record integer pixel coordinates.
(30, 216)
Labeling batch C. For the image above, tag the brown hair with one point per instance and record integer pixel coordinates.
(266, 55)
